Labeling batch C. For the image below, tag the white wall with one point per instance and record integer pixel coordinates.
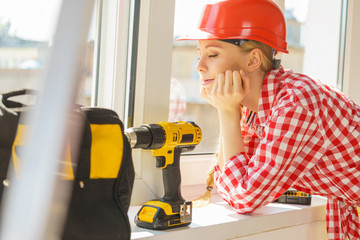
(322, 40)
(351, 85)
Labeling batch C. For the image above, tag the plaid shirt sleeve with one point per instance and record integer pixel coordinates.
(291, 145)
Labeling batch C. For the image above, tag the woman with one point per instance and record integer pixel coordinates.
(278, 129)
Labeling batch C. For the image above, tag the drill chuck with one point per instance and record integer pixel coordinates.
(163, 138)
(148, 136)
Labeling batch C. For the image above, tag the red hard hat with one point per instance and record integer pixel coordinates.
(260, 20)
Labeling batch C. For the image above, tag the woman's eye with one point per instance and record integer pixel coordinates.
(213, 55)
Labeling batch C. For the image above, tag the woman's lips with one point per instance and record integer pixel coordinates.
(206, 82)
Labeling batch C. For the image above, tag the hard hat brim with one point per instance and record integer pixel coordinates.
(198, 34)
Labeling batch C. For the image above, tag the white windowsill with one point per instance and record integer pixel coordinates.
(219, 221)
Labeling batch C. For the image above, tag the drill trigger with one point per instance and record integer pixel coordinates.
(160, 161)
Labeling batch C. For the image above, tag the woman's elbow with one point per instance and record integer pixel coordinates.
(243, 207)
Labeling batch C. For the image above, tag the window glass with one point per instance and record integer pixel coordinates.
(185, 103)
(313, 35)
(313, 43)
(26, 34)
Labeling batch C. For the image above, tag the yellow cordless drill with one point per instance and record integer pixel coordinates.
(167, 140)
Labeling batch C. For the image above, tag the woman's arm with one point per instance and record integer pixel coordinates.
(231, 141)
(227, 94)
(292, 145)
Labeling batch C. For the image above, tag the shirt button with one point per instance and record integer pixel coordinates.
(350, 208)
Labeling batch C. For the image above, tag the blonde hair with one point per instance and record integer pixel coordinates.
(267, 61)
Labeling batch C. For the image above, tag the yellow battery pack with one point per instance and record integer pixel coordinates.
(160, 215)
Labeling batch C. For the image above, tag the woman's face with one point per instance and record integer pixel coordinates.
(216, 57)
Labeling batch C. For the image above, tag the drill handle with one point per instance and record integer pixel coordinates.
(172, 179)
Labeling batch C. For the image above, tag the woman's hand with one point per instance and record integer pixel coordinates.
(204, 94)
(228, 92)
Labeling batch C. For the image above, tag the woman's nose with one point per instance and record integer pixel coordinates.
(200, 66)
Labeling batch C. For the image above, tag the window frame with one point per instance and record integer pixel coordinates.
(111, 54)
(153, 73)
(350, 84)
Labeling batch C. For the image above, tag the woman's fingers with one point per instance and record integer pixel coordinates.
(228, 86)
(221, 81)
(228, 90)
(228, 83)
(237, 81)
(218, 85)
(245, 81)
(203, 93)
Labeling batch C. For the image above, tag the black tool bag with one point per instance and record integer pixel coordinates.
(8, 124)
(104, 180)
(103, 177)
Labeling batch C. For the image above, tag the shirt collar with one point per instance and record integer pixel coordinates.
(268, 93)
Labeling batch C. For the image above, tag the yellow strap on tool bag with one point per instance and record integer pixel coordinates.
(66, 173)
(106, 150)
(18, 143)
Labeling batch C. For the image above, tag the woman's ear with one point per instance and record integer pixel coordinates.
(254, 60)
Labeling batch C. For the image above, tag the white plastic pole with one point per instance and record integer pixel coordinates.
(28, 205)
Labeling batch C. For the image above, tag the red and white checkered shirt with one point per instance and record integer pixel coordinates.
(305, 135)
